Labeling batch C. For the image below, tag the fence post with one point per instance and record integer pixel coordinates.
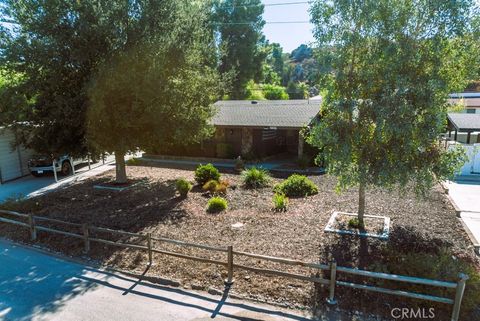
(89, 166)
(229, 280)
(33, 230)
(86, 238)
(459, 295)
(54, 165)
(73, 166)
(333, 275)
(149, 245)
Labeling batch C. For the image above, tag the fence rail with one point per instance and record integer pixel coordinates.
(332, 267)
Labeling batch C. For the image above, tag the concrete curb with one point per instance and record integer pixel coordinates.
(475, 242)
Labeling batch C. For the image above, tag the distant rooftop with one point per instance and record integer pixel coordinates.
(465, 122)
(265, 113)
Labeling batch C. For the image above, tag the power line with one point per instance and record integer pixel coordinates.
(269, 4)
(266, 22)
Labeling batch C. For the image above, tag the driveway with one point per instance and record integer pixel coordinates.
(466, 196)
(36, 286)
(30, 186)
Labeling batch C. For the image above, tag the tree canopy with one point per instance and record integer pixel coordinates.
(392, 68)
(239, 24)
(157, 93)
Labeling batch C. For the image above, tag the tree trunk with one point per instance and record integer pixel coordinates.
(121, 171)
(361, 203)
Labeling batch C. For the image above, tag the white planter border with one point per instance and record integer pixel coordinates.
(114, 188)
(383, 236)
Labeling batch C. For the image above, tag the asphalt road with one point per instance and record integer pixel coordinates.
(37, 286)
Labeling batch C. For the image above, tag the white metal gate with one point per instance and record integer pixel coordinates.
(476, 159)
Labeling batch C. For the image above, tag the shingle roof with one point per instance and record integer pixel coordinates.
(465, 122)
(265, 113)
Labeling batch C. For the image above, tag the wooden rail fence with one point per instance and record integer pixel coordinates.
(32, 223)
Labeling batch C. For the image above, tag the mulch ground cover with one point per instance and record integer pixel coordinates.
(417, 225)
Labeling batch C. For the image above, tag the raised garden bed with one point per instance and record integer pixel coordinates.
(375, 226)
(112, 186)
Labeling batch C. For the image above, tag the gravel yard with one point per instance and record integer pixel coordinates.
(153, 206)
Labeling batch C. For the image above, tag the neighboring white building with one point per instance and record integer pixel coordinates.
(464, 129)
(471, 101)
(13, 162)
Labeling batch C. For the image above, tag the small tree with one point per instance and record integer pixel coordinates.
(393, 65)
(159, 92)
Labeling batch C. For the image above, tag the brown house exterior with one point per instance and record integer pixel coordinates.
(257, 129)
(254, 129)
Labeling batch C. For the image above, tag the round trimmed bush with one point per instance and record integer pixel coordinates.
(205, 173)
(280, 202)
(217, 204)
(183, 186)
(296, 186)
(255, 177)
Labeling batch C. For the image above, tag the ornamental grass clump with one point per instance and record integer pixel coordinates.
(216, 187)
(255, 177)
(205, 173)
(217, 204)
(296, 186)
(183, 186)
(280, 202)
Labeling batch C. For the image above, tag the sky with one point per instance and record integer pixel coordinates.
(289, 36)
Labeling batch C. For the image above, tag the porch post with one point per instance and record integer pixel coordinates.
(300, 145)
(468, 138)
(247, 141)
(455, 136)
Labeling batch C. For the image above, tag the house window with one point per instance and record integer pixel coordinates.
(470, 111)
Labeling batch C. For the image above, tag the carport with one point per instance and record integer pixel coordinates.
(464, 123)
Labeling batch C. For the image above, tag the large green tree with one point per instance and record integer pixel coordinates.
(394, 64)
(158, 92)
(239, 24)
(54, 45)
(57, 46)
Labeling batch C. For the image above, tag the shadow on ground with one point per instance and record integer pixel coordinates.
(36, 285)
(407, 252)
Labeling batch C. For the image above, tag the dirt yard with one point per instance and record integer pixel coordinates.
(417, 225)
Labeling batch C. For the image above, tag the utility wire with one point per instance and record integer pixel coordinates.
(269, 4)
(266, 22)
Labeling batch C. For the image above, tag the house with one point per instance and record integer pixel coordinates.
(471, 101)
(253, 130)
(262, 128)
(466, 132)
(13, 161)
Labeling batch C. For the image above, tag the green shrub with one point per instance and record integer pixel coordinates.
(355, 223)
(253, 91)
(296, 186)
(280, 202)
(255, 177)
(216, 204)
(214, 186)
(274, 92)
(210, 186)
(205, 173)
(183, 186)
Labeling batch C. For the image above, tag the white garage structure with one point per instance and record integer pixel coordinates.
(13, 162)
